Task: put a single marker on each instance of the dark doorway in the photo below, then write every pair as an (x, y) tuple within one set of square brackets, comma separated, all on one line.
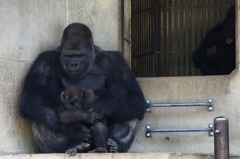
[(165, 33)]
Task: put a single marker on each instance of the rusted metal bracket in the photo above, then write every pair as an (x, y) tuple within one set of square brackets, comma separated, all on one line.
[(209, 104), (149, 130)]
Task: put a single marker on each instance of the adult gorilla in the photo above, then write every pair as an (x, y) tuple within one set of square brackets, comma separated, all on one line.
[(216, 54), (78, 62)]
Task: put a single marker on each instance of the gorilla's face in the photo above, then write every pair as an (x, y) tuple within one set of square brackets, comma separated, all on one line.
[(229, 25), (229, 30), (74, 95), (77, 56)]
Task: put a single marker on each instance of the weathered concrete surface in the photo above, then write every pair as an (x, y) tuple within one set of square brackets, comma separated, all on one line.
[(27, 27), (109, 156), (102, 17), (113, 156)]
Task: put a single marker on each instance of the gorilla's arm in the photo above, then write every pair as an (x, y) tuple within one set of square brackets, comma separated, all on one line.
[(123, 99), (39, 100)]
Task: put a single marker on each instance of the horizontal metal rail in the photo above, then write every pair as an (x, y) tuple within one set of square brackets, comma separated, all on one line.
[(149, 130), (209, 104), (220, 131)]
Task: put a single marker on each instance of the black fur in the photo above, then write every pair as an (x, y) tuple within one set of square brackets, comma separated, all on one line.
[(216, 54), (83, 101), (109, 77)]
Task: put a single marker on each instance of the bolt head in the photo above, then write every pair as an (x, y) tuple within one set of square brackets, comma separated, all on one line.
[(217, 131), (148, 134), (211, 133), (210, 108)]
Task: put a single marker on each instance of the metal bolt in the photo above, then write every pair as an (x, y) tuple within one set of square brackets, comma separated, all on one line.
[(210, 100), (210, 108), (148, 127), (211, 126), (211, 133), (217, 131), (148, 134), (147, 109)]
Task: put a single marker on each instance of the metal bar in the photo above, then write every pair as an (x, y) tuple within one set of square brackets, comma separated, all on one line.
[(209, 104), (143, 10), (221, 138), (149, 130)]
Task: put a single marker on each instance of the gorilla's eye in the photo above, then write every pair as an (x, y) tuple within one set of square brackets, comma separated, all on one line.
[(68, 56), (74, 56), (80, 55)]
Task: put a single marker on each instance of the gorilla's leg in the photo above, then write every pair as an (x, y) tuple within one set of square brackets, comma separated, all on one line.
[(56, 142), (121, 136), (99, 135)]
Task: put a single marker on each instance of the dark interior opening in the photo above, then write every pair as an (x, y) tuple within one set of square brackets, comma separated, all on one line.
[(166, 33)]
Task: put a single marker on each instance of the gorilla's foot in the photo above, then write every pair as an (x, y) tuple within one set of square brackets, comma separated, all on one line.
[(99, 149), (112, 144), (80, 147)]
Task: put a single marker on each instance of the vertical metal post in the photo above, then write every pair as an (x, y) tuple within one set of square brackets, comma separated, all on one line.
[(221, 138)]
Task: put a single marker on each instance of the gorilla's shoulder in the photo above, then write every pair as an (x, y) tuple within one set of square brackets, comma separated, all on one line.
[(46, 63), (113, 63), (48, 58), (109, 57), (49, 55), (216, 29)]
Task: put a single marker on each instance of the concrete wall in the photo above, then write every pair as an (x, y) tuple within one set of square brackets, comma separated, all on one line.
[(28, 27), (102, 17)]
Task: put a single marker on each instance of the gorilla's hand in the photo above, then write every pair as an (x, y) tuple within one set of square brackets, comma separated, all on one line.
[(66, 103), (77, 131), (211, 52), (72, 116), (66, 117), (91, 117), (64, 100), (84, 133), (101, 115), (78, 148)]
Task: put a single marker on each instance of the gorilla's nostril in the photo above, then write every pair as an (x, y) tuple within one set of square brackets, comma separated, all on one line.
[(74, 64)]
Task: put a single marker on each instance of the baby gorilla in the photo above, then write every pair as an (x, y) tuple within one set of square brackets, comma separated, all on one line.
[(78, 98)]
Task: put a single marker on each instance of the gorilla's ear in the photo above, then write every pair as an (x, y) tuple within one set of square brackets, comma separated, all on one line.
[(92, 45)]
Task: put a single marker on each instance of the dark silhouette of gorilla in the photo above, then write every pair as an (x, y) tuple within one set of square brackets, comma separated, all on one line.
[(77, 61), (74, 98), (216, 54)]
